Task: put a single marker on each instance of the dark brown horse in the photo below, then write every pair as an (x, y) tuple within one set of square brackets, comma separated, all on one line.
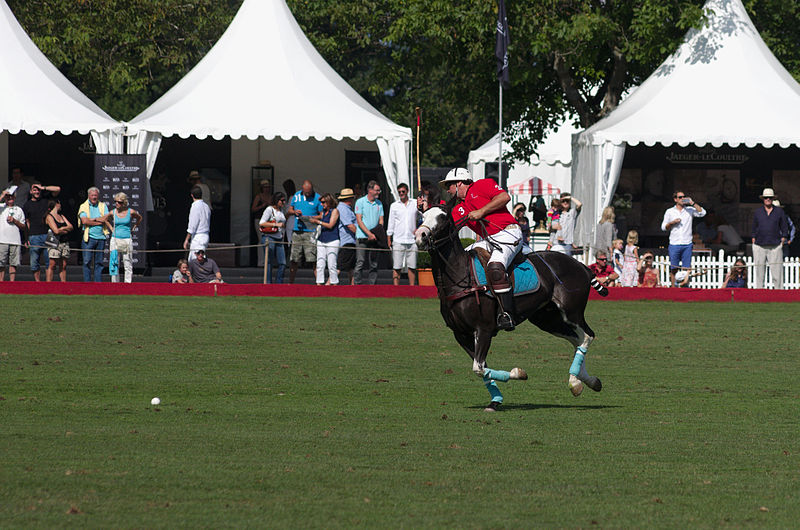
[(557, 306)]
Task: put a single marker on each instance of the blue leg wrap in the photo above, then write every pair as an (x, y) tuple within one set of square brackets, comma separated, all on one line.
[(497, 375), (577, 362), (491, 386)]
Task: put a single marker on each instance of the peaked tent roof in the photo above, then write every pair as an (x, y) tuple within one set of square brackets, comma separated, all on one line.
[(722, 86), (263, 78), (34, 95), (556, 148)]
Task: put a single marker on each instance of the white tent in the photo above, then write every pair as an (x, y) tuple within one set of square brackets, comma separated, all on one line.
[(264, 80), (552, 164), (36, 97), (722, 86)]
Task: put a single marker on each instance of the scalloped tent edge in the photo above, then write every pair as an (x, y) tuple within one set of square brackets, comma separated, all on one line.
[(694, 97)]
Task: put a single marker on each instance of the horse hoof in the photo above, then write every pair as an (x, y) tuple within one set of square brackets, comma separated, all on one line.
[(518, 374), (594, 383), (493, 407), (575, 385)]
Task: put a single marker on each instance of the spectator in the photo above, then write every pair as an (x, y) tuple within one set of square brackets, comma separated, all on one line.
[(648, 273), (182, 274), (603, 270), (707, 229), (697, 242), (737, 276), (369, 216), (630, 260), (35, 213), (538, 209), (122, 222), (198, 229), (519, 214), (12, 219), (23, 190), (682, 277), (606, 231), (570, 208), (60, 225), (91, 218), (553, 220), (196, 181), (328, 241), (290, 188), (404, 217), (304, 206), (347, 233), (792, 230), (678, 222), (273, 225), (618, 256), (203, 269), (727, 236), (261, 201), (770, 232)]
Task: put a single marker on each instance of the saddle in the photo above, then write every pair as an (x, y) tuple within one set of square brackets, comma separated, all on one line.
[(521, 272)]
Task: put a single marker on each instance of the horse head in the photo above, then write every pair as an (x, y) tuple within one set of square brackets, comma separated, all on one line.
[(434, 224)]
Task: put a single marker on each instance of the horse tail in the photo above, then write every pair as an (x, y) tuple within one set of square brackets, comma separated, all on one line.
[(601, 289)]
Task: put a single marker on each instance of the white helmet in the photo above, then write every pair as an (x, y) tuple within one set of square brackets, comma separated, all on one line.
[(457, 174)]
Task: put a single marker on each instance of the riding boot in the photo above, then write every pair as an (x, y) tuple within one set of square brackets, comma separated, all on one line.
[(505, 296)]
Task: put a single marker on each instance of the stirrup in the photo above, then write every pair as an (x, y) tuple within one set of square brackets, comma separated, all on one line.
[(505, 322)]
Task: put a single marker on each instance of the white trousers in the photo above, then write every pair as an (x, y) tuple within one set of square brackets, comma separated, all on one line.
[(507, 243), (198, 242), (327, 254), (124, 248), (773, 256)]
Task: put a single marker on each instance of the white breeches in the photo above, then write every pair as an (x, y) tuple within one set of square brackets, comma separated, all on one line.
[(507, 243)]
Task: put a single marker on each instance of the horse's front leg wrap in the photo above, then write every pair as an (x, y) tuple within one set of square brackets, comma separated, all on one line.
[(478, 367), (497, 375), (491, 386), (577, 362)]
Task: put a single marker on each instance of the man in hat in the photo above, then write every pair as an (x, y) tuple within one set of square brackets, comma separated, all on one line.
[(483, 208), (195, 180), (678, 222), (346, 260), (12, 220), (203, 269), (770, 232)]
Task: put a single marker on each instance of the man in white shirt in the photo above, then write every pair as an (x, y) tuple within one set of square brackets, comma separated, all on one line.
[(12, 220), (197, 233), (678, 222), (403, 221)]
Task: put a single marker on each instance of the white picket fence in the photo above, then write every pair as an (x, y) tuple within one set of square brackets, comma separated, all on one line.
[(715, 268)]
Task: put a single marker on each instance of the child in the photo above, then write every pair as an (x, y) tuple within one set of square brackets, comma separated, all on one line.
[(181, 274), (630, 259), (617, 258), (553, 216), (737, 276)]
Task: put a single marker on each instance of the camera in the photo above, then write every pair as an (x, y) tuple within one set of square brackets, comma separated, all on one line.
[(686, 200)]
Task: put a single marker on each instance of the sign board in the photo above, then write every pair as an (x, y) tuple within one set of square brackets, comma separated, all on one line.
[(126, 174)]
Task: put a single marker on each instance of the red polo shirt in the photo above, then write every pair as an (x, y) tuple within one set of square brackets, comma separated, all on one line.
[(601, 272), (478, 195)]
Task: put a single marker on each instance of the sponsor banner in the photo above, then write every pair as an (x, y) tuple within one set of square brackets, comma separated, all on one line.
[(126, 174)]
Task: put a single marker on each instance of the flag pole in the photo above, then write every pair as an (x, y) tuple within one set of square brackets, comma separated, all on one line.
[(500, 179), (418, 111)]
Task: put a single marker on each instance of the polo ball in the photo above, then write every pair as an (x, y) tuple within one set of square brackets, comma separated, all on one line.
[(155, 401)]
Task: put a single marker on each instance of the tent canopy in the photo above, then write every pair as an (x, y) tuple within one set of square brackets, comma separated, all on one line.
[(35, 96), (721, 86), (263, 78)]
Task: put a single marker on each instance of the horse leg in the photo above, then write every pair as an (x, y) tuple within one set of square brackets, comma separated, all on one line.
[(555, 321)]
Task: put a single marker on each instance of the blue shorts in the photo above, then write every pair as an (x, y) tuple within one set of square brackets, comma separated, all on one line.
[(680, 256)]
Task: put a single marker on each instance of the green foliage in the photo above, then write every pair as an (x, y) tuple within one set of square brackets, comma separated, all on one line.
[(293, 413)]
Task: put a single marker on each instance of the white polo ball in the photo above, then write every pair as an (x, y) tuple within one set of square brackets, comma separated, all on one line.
[(155, 401)]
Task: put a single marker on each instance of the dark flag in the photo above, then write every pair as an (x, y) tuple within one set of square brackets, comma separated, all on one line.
[(501, 48)]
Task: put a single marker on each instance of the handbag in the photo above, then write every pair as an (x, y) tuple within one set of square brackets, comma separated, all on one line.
[(51, 241)]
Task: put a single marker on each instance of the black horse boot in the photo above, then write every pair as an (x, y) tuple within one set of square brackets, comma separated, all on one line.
[(505, 296)]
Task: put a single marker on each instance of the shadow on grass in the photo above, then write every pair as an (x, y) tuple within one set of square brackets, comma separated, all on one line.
[(537, 406)]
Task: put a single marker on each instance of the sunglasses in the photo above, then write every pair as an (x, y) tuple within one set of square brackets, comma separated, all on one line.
[(602, 259), (680, 196)]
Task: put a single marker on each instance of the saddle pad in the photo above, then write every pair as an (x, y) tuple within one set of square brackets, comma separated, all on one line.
[(524, 276)]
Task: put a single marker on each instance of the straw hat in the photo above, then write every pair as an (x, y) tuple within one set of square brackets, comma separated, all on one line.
[(346, 193)]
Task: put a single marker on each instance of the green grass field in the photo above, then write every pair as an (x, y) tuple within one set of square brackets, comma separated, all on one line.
[(338, 413)]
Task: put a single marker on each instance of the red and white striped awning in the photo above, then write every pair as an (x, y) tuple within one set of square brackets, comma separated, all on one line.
[(534, 186)]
